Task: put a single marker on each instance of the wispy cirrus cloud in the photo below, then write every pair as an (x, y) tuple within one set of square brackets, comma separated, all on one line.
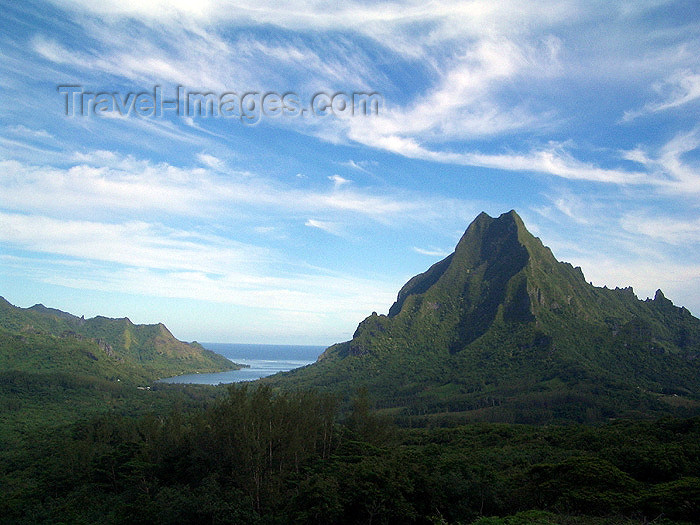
[(327, 226), (673, 172), (28, 132), (338, 181), (361, 165), (406, 26), (137, 244), (103, 182), (169, 262), (461, 99), (431, 252), (199, 57), (675, 231), (203, 63), (552, 160), (680, 89), (476, 53), (211, 161), (464, 103)]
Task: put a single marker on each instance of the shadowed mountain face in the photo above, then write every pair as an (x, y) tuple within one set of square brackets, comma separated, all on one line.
[(41, 339), (474, 281), (502, 330)]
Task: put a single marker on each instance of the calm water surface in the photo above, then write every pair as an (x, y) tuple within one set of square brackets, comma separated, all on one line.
[(263, 361)]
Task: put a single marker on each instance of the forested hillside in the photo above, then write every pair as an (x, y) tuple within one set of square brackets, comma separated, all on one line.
[(502, 331), (40, 339)]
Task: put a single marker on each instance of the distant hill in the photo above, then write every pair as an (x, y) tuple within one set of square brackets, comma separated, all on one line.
[(41, 339), (500, 330)]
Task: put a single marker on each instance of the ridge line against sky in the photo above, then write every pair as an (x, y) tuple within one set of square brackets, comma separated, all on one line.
[(582, 116)]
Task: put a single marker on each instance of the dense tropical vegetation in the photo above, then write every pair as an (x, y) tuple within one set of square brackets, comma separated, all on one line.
[(254, 456)]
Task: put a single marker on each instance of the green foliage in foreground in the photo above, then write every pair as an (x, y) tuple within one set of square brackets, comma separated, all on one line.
[(258, 457), (33, 403)]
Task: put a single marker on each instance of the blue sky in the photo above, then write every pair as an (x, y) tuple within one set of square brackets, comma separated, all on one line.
[(582, 116)]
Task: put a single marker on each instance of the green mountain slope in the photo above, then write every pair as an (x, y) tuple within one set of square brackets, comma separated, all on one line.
[(40, 339), (501, 330)]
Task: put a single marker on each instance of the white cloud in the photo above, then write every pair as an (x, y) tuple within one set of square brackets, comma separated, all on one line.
[(327, 226), (431, 252), (211, 161), (136, 244), (682, 88), (469, 56), (338, 180), (673, 173), (470, 52), (662, 228), (27, 132), (196, 59), (553, 160), (301, 293), (361, 165), (53, 51), (101, 183), (406, 25), (463, 104), (584, 211), (165, 262), (193, 53), (558, 162)]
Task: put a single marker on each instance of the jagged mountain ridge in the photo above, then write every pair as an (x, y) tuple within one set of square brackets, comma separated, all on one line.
[(502, 329), (41, 338)]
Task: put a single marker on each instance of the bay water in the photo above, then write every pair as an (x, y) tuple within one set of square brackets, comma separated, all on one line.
[(262, 361)]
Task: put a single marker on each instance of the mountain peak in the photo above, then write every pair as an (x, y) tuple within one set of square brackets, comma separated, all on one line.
[(511, 215), (489, 253), (41, 309), (500, 325)]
